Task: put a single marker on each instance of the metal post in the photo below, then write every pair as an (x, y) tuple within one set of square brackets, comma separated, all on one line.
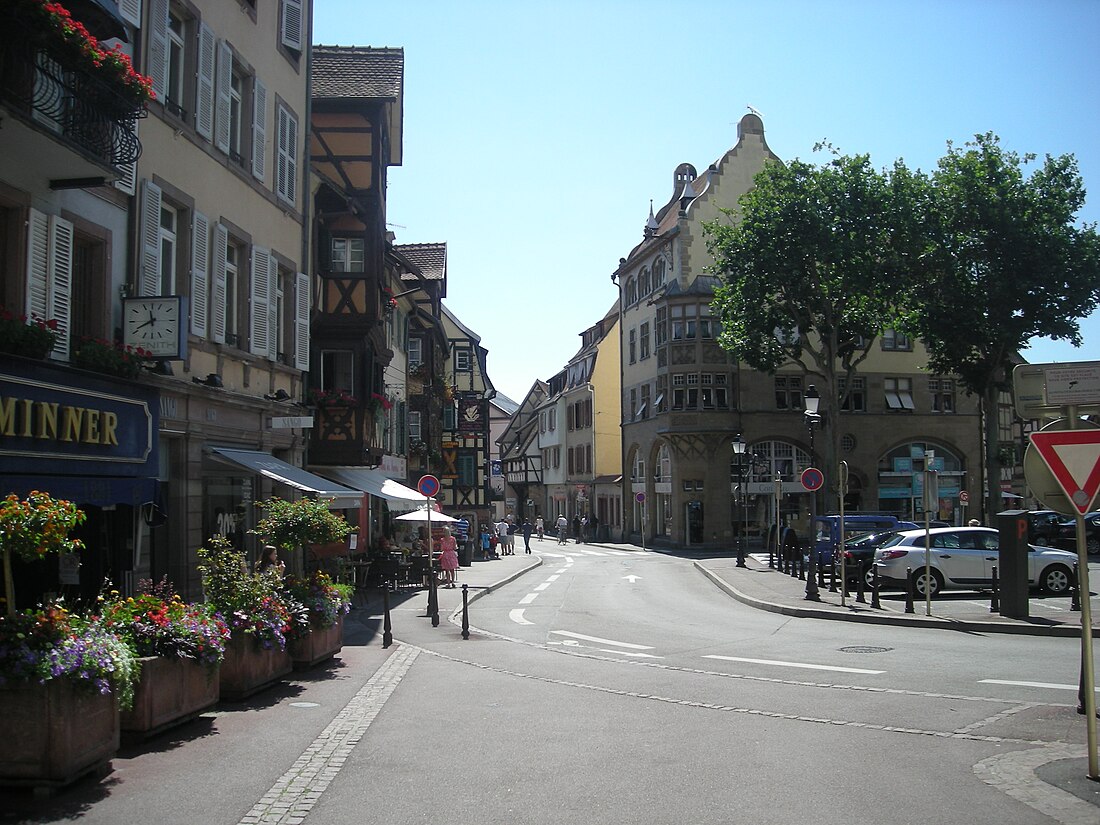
[(994, 603), (843, 473), (387, 628), (812, 593), (860, 588), (465, 614), (875, 603), (909, 590), (433, 597), (1088, 675), (1075, 592), (779, 523)]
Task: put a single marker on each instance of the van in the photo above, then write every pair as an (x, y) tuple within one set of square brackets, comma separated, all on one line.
[(827, 530)]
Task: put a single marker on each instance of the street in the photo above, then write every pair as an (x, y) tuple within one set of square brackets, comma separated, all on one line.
[(605, 686)]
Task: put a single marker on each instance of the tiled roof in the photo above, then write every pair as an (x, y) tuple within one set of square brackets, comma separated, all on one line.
[(430, 259), (358, 72)]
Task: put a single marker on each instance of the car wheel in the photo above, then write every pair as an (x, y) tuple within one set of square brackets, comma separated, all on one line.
[(1092, 545), (933, 583), (1056, 580)]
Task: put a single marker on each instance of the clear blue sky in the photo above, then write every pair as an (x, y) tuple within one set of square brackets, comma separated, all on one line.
[(536, 133)]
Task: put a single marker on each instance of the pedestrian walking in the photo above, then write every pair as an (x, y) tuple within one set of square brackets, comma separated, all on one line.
[(527, 535), (510, 537), (593, 527), (563, 527), (486, 545), (539, 527), (577, 529), (448, 558), (502, 536)]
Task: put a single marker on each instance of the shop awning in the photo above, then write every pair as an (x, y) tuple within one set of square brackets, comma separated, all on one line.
[(376, 484), (267, 465)]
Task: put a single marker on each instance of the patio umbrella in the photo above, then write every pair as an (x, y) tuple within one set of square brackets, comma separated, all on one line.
[(423, 515)]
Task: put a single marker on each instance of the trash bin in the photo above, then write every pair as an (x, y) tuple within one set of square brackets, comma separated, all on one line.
[(465, 554)]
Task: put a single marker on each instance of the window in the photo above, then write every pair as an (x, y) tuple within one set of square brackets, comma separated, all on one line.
[(169, 223), (632, 410), (942, 391), (462, 360), (49, 281), (286, 155), (450, 416), (643, 283), (660, 327), (338, 370), (853, 399), (552, 422), (708, 325), (899, 393), (173, 53), (895, 341), (414, 426), (684, 322), (236, 108), (631, 291), (234, 257), (638, 475), (416, 355), (633, 336), (658, 272), (643, 407), (467, 469), (644, 334), (348, 255), (788, 392)]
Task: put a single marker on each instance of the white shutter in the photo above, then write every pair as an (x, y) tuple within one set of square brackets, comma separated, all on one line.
[(128, 180), (200, 273), (157, 65), (224, 92), (259, 129), (217, 297), (273, 336), (204, 104), (292, 160), (61, 284), (259, 284), (301, 322), (291, 29), (130, 11), (38, 265), (150, 238), (282, 163)]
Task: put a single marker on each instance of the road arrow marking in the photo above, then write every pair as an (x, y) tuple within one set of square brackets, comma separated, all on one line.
[(517, 616), (598, 640), (632, 578), (796, 664)]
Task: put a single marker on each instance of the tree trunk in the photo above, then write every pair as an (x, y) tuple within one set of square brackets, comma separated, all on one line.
[(991, 444)]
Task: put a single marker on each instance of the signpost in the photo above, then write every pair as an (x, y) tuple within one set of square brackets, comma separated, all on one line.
[(428, 485), (640, 498)]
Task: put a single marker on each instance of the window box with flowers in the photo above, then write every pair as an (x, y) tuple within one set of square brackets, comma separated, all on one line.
[(110, 357), (329, 399), (327, 603), (379, 403), (27, 338), (181, 648)]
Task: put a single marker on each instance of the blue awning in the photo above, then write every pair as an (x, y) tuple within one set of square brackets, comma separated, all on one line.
[(267, 465), (94, 491)]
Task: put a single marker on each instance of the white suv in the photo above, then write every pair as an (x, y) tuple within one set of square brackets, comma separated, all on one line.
[(962, 558)]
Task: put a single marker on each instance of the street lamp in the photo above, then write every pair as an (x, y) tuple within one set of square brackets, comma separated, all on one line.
[(739, 455), (813, 418)]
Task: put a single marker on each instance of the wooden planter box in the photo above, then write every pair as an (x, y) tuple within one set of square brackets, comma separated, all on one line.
[(319, 645), (249, 668), (54, 733), (171, 692)]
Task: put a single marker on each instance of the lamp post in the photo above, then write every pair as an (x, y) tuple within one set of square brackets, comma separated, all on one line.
[(813, 418), (739, 455)]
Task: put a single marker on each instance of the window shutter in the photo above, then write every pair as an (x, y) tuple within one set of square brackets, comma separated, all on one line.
[(158, 47), (273, 331), (224, 90), (130, 11), (200, 271), (127, 181), (61, 284), (38, 265), (217, 303), (301, 322), (259, 129), (291, 30), (287, 165), (150, 238), (258, 311), (204, 105)]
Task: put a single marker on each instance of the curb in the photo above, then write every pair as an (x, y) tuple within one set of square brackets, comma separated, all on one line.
[(1063, 631)]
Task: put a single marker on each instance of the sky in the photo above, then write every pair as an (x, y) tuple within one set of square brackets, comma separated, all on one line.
[(537, 133)]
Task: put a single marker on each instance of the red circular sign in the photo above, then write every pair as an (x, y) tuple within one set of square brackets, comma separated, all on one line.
[(428, 485), (964, 496), (812, 479)]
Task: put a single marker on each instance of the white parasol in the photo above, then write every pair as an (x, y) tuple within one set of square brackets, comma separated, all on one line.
[(425, 515)]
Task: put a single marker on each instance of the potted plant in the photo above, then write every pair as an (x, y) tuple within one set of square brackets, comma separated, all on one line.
[(109, 357), (291, 525), (62, 680), (328, 399), (326, 603), (259, 616), (181, 648), (28, 338)]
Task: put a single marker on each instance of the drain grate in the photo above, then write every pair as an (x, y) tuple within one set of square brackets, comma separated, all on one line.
[(865, 649)]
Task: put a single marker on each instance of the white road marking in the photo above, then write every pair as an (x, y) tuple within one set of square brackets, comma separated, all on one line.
[(796, 664), (632, 578), (1049, 685), (530, 597), (630, 653), (598, 640), (542, 586), (553, 578), (517, 616)]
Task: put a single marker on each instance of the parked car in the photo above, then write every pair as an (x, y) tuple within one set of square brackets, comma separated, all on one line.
[(1067, 533), (1043, 527), (962, 558), (827, 530), (859, 555)]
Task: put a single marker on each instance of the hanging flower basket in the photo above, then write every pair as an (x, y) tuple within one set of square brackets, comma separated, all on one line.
[(27, 338)]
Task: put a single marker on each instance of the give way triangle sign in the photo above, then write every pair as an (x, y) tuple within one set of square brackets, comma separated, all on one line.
[(1073, 457)]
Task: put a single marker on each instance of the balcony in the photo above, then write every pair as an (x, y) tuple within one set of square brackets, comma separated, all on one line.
[(345, 435), (47, 91)]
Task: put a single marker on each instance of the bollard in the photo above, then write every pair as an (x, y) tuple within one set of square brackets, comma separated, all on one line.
[(832, 577), (465, 614), (1075, 592), (860, 595), (875, 603), (771, 556), (994, 601), (812, 594), (820, 576), (909, 590), (433, 601), (387, 628), (801, 567)]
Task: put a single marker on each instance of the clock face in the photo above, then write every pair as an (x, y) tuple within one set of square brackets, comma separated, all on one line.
[(153, 324)]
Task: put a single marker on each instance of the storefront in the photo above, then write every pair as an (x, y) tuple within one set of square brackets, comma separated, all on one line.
[(92, 441)]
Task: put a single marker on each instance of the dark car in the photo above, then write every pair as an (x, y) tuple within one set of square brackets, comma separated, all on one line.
[(1043, 527), (1067, 533), (859, 555)]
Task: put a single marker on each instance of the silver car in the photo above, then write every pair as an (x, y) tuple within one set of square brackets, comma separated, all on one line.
[(962, 558)]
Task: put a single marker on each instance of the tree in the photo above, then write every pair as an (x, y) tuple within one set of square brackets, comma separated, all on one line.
[(810, 271), (1003, 262)]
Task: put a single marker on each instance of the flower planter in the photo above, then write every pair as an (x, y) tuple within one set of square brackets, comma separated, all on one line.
[(170, 692), (54, 733), (319, 645), (248, 668)]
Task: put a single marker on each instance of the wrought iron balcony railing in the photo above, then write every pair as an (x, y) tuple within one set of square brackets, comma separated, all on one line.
[(94, 117)]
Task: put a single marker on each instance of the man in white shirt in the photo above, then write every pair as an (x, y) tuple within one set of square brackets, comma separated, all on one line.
[(563, 528)]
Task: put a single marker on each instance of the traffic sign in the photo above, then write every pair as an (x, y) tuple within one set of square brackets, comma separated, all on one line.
[(1073, 457), (639, 497), (812, 479), (1046, 390), (428, 485), (964, 497)]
